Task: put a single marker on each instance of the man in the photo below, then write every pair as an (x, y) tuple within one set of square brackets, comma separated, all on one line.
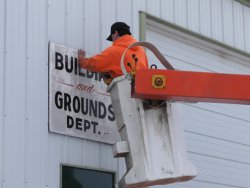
[(108, 61)]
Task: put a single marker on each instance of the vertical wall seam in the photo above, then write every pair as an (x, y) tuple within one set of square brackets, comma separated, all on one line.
[(3, 89), (42, 125), (132, 16), (234, 42), (71, 22), (100, 27), (211, 19), (174, 18), (160, 8), (46, 177), (65, 22), (244, 28), (222, 21), (65, 156), (83, 25), (199, 17), (26, 92), (68, 8), (66, 42), (47, 22), (116, 10), (187, 17)]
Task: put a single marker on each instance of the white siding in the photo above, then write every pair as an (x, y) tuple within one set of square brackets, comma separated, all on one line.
[(227, 16), (30, 156), (205, 18), (2, 82), (247, 28), (217, 135), (238, 20), (180, 16), (167, 10), (193, 15), (154, 7), (216, 19)]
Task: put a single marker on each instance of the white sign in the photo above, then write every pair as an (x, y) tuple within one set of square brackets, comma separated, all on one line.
[(79, 105)]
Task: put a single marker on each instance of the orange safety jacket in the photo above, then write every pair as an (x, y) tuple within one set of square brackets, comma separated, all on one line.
[(108, 61)]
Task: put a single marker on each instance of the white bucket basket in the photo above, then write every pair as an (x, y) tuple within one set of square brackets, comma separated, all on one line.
[(152, 140)]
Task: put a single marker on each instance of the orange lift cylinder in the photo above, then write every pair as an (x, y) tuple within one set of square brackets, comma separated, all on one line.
[(191, 86)]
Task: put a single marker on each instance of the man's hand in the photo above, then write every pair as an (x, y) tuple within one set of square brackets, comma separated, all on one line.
[(106, 78), (81, 57)]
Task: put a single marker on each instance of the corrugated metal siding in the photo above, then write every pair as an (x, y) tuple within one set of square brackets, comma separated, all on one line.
[(15, 103), (37, 74), (217, 135), (30, 156), (247, 28), (2, 76)]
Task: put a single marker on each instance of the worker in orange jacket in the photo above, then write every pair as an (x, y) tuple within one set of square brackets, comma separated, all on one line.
[(108, 61)]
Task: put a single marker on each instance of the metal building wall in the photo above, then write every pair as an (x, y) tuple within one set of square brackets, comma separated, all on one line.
[(217, 135), (29, 155)]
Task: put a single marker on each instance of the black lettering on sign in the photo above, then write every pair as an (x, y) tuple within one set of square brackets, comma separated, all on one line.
[(59, 61), (68, 66), (101, 110), (77, 67), (86, 125), (58, 100), (76, 104), (67, 102), (78, 123), (95, 75), (94, 126), (90, 74), (84, 106), (71, 65), (70, 122), (112, 117), (93, 108)]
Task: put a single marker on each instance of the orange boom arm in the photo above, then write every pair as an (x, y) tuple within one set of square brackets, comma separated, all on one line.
[(191, 86)]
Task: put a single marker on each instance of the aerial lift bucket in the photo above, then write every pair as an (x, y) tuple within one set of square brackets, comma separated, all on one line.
[(152, 139)]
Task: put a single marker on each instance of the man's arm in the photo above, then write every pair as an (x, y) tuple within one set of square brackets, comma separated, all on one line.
[(82, 58), (98, 63)]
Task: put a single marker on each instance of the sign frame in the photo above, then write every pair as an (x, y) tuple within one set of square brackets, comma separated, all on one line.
[(79, 105)]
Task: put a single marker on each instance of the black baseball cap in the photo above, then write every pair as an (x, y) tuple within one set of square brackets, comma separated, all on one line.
[(121, 27)]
